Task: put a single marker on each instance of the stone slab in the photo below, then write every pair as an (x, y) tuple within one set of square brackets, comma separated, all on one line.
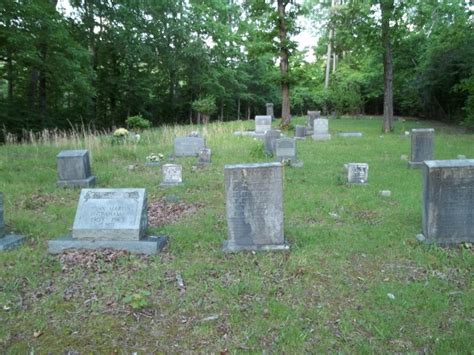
[(285, 149), (11, 241), (254, 205), (300, 132), (270, 138), (148, 245), (422, 144), (228, 247), (172, 175), (111, 214), (357, 173), (350, 134), (263, 123), (89, 182), (448, 201), (188, 146)]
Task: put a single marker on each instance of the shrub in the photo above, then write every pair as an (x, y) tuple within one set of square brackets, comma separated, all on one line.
[(138, 122)]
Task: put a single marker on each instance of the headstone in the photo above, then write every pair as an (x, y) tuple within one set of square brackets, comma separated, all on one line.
[(448, 201), (422, 142), (270, 112), (74, 169), (285, 150), (7, 241), (312, 115), (300, 132), (263, 124), (269, 143), (204, 157), (188, 146), (357, 173), (110, 218), (321, 130), (171, 175), (350, 134), (254, 204)]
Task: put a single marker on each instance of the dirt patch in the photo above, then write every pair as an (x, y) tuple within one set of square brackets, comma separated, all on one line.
[(369, 217), (163, 212)]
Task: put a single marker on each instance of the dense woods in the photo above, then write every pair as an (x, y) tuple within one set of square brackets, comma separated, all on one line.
[(186, 61)]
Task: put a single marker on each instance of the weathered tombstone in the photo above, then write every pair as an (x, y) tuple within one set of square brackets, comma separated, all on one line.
[(7, 241), (74, 169), (321, 129), (263, 124), (357, 173), (285, 151), (350, 134), (269, 143), (270, 112), (422, 142), (254, 204), (110, 218), (448, 201), (204, 157), (171, 175), (312, 115), (188, 146), (300, 132)]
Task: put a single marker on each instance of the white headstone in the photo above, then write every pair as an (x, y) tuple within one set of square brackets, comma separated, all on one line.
[(263, 124), (321, 129), (172, 174), (357, 173)]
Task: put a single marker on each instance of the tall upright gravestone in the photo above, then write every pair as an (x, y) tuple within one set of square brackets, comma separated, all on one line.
[(448, 201), (7, 241), (263, 124), (269, 143), (254, 204), (270, 112), (321, 130), (110, 218), (285, 151), (422, 143), (74, 169)]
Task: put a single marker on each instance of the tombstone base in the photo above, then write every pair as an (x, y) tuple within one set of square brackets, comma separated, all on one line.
[(89, 182), (426, 241), (152, 164), (415, 164), (321, 137), (149, 245), (170, 184), (350, 134), (11, 241), (259, 135), (228, 247)]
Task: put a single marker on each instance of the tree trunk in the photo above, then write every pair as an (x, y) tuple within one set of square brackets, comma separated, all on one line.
[(284, 64), (248, 111), (238, 108), (387, 10), (329, 52), (221, 115)]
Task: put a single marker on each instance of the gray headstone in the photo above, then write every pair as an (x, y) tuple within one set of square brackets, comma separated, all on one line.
[(110, 218), (171, 175), (422, 143), (254, 203), (448, 201), (270, 112), (312, 115), (350, 134), (321, 129), (74, 169), (270, 138), (188, 146), (204, 156), (285, 149), (357, 173), (263, 124), (111, 214), (7, 241), (300, 132)]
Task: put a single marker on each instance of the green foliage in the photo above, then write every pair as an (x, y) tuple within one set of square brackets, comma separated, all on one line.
[(205, 105), (138, 122), (137, 300)]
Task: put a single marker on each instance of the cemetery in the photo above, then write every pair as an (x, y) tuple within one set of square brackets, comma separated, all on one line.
[(236, 177), (290, 246)]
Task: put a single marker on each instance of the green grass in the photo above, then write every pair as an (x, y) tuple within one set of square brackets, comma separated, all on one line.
[(328, 294)]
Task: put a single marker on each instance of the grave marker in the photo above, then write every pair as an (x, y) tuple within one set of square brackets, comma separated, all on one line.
[(357, 173), (269, 107), (285, 150), (422, 142), (188, 146), (300, 132), (350, 134), (7, 241), (263, 124), (254, 204), (321, 130), (204, 157), (269, 143), (74, 169), (171, 175), (312, 115)]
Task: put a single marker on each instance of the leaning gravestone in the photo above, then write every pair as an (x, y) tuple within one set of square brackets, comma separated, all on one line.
[(270, 112), (254, 204), (422, 142), (300, 132), (448, 201), (263, 124), (7, 241), (285, 150), (188, 146), (357, 173), (110, 218), (269, 143), (171, 175), (74, 169), (321, 130)]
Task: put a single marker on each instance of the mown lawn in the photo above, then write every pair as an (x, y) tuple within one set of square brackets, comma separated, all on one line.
[(350, 248)]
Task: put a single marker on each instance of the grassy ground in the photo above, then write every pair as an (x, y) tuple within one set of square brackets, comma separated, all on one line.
[(349, 249)]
